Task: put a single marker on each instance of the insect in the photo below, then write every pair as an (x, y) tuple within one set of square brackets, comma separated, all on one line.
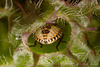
[(48, 34), (72, 2)]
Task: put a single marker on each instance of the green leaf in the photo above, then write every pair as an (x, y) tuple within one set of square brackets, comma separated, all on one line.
[(95, 39), (6, 48)]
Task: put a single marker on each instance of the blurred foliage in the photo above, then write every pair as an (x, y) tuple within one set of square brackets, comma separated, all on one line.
[(20, 16), (6, 49)]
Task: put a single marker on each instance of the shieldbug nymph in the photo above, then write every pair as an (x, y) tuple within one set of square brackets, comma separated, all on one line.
[(48, 34)]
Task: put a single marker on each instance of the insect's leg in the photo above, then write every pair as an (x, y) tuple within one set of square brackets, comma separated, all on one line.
[(58, 45), (33, 45), (41, 45), (59, 42)]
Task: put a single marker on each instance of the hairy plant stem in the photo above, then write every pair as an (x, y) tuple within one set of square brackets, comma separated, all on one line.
[(70, 55)]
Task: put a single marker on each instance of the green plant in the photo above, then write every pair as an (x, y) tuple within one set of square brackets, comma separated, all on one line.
[(80, 23)]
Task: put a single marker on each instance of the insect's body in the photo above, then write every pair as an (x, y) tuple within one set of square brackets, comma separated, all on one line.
[(72, 2), (48, 34)]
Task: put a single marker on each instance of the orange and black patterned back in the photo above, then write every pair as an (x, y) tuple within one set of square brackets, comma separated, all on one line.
[(48, 34)]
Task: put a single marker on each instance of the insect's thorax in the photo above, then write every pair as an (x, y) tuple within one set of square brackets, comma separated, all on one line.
[(48, 34)]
